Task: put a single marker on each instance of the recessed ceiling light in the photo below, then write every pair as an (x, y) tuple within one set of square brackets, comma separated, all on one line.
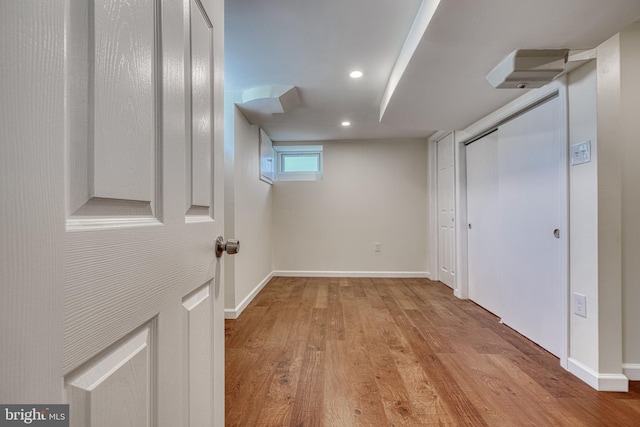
[(356, 74), (346, 123)]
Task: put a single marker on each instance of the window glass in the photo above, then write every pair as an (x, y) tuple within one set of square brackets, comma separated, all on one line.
[(298, 163), (301, 162)]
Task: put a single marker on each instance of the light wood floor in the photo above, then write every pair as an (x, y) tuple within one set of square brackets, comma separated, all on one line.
[(396, 352)]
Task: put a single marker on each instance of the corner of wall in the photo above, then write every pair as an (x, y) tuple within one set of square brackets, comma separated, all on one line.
[(233, 313), (248, 210), (610, 154), (598, 381), (229, 193), (630, 105)]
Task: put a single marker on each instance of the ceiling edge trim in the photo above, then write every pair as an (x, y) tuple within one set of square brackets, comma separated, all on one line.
[(420, 24)]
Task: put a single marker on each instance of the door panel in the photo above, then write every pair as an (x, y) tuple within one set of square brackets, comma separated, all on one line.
[(121, 98), (446, 211), (531, 198), (112, 91), (200, 76), (196, 323), (483, 229), (121, 378)]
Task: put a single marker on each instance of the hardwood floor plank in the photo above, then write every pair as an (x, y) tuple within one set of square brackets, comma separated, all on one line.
[(454, 399), (404, 301), (308, 405), (360, 384), (396, 352), (428, 332), (239, 331), (335, 319), (428, 406), (380, 338), (358, 291), (322, 297), (279, 333), (252, 389), (239, 364), (278, 402), (318, 334), (337, 411)]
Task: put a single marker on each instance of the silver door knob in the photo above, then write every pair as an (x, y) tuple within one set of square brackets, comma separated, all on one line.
[(231, 246)]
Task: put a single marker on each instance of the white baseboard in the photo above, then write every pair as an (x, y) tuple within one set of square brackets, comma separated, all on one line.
[(233, 313), (632, 371), (372, 274), (600, 382)]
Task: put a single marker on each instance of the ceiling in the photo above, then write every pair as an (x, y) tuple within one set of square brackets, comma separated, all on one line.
[(424, 61)]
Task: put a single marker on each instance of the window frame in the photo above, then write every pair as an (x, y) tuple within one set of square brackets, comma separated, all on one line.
[(267, 158), (282, 151)]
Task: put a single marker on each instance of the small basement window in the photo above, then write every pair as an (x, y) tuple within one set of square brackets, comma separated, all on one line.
[(298, 163)]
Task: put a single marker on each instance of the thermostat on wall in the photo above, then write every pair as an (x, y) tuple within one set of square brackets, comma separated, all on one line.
[(581, 153)]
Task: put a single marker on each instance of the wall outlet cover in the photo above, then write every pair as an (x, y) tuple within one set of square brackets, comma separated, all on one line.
[(580, 305)]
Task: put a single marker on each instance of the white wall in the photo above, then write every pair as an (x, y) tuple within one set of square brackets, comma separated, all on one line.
[(248, 213), (583, 219), (373, 191), (609, 208), (630, 108)]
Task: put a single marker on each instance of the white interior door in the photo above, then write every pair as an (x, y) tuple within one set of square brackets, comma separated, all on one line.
[(532, 199), (111, 204), (483, 228), (446, 211)]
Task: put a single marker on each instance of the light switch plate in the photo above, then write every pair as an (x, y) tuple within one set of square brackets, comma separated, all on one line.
[(581, 153), (580, 305)]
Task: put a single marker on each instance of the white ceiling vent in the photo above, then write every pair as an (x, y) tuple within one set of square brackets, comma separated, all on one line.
[(528, 68)]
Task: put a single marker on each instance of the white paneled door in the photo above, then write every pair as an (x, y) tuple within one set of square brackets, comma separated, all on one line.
[(446, 211), (112, 189)]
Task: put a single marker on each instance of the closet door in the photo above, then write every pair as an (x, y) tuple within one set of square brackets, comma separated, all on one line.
[(446, 211), (483, 214), (532, 200)]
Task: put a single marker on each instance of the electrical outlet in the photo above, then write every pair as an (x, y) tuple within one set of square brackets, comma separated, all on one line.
[(580, 305), (377, 247)]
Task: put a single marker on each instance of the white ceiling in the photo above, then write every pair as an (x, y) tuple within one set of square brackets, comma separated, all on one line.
[(313, 44)]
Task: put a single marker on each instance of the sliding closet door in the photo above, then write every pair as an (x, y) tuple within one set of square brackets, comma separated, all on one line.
[(483, 225), (532, 199)]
